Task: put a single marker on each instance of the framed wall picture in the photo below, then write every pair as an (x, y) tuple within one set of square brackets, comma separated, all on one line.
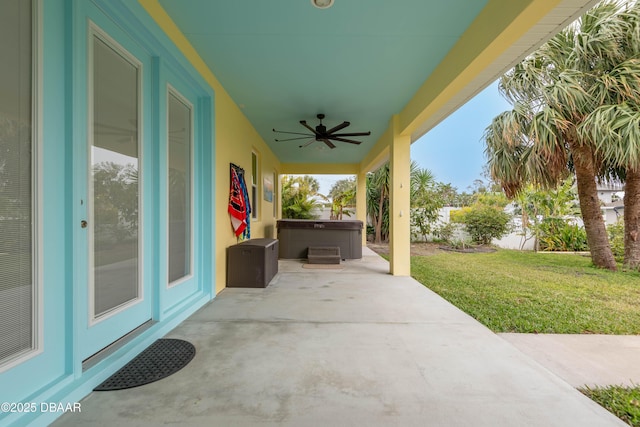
[(267, 185)]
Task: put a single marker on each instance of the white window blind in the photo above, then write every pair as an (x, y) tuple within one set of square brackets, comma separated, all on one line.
[(16, 182), (115, 176), (179, 193)]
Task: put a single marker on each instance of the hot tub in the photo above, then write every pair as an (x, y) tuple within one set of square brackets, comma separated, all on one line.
[(297, 235)]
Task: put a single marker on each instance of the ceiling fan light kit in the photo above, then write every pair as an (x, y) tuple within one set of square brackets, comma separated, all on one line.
[(320, 133), (322, 4)]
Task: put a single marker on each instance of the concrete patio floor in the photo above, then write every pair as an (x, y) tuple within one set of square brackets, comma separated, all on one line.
[(349, 347)]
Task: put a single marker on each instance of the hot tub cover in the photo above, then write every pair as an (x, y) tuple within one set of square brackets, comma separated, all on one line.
[(329, 224)]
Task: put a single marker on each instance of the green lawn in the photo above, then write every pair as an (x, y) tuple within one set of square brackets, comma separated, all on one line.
[(526, 292), (624, 402)]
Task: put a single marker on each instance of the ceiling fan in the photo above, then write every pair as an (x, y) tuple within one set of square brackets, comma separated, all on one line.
[(320, 133)]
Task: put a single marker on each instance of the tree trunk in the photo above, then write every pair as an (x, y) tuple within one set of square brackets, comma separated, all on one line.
[(378, 238), (597, 237), (632, 220)]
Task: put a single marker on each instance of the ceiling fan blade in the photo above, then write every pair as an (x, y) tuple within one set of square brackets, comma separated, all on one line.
[(293, 139), (339, 127), (353, 134), (329, 143), (308, 143), (350, 141), (292, 133), (304, 123)]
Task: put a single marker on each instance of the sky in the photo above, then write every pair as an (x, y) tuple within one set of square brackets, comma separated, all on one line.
[(453, 151)]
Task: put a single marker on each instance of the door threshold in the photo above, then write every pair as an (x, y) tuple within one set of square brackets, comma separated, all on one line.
[(98, 357)]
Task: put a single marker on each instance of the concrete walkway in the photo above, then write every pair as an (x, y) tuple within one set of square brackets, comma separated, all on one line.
[(349, 347), (591, 360)]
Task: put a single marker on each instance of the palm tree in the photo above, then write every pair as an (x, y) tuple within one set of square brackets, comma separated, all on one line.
[(378, 200), (342, 195), (426, 200), (553, 129), (300, 197), (422, 186), (614, 125), (423, 182)]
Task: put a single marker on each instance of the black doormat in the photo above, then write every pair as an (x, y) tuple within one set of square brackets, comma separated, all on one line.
[(164, 357)]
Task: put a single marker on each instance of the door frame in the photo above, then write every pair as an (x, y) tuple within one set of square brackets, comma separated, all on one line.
[(92, 333)]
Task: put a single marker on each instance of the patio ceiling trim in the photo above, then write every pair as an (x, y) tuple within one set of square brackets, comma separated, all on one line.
[(493, 49)]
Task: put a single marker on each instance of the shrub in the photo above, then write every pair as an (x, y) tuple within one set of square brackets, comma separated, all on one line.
[(460, 244), (444, 231), (485, 223), (557, 234), (458, 214), (616, 239), (422, 221), (371, 232)]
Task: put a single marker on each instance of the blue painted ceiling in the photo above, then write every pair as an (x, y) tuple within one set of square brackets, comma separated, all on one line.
[(284, 61)]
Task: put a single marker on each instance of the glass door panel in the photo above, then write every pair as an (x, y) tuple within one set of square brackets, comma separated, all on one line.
[(17, 148), (180, 193), (114, 180)]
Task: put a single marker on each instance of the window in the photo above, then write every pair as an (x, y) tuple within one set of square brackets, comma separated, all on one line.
[(17, 148), (276, 185), (179, 187), (255, 169)]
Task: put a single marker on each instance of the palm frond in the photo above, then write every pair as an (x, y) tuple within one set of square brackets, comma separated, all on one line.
[(620, 84), (506, 141), (599, 34), (524, 82), (567, 95), (615, 132)]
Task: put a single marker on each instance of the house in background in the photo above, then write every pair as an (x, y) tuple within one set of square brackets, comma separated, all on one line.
[(611, 195), (119, 122)]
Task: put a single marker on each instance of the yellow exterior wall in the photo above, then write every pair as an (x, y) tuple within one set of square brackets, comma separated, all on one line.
[(399, 202), (235, 139)]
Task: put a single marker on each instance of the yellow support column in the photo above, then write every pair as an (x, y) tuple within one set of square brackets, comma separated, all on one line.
[(361, 203), (399, 203)]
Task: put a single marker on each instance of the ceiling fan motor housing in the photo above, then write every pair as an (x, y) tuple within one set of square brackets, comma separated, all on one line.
[(321, 130)]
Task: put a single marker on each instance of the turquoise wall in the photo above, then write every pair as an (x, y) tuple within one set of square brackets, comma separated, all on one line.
[(55, 374)]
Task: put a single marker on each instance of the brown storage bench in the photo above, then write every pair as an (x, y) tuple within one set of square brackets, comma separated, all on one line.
[(252, 263)]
